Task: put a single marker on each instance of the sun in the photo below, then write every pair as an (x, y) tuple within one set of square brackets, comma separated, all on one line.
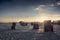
[(42, 19)]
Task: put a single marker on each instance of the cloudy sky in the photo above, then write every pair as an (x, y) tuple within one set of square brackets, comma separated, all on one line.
[(29, 10)]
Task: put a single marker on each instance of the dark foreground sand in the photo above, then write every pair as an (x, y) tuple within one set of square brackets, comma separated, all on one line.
[(29, 35)]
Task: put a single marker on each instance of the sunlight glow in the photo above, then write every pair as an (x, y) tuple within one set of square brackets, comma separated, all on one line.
[(42, 19)]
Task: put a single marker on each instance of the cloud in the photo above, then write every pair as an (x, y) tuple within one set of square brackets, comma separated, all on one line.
[(44, 8), (58, 3), (47, 10), (40, 7)]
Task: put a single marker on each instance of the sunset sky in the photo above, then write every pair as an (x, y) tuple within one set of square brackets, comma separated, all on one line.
[(29, 10)]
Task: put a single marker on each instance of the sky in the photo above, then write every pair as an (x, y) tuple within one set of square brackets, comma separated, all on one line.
[(29, 10)]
